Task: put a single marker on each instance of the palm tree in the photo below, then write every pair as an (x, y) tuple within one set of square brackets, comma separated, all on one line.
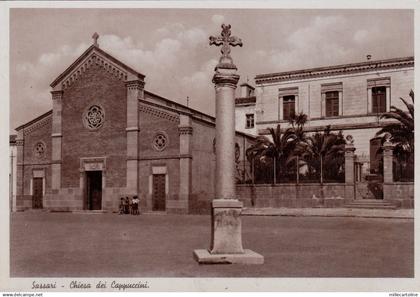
[(322, 149), (277, 150), (401, 131), (297, 122)]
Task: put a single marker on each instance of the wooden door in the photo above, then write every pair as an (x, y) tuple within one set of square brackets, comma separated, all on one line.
[(158, 195), (94, 190), (38, 192)]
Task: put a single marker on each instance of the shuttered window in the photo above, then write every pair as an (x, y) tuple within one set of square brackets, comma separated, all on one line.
[(331, 104), (288, 106), (378, 99)]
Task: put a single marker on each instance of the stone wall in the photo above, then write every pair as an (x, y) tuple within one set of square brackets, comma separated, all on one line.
[(400, 193), (292, 195)]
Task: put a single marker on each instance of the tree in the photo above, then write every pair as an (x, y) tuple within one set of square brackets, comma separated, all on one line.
[(297, 121), (401, 130), (323, 149), (274, 152)]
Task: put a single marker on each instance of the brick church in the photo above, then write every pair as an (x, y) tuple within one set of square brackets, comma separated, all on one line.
[(107, 137)]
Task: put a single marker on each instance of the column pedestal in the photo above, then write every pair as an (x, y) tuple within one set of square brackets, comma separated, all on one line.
[(226, 246)]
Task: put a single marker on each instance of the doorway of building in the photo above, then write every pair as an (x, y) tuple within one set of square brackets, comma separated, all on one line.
[(158, 194), (38, 192), (93, 190)]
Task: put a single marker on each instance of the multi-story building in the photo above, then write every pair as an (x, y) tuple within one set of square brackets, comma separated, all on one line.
[(349, 97)]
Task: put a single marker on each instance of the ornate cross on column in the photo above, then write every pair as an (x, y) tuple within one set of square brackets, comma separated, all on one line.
[(225, 40), (95, 37)]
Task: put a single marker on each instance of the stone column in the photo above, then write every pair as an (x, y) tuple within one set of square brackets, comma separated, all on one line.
[(135, 91), (388, 148), (185, 152), (323, 98), (349, 170), (388, 98), (226, 241), (56, 141)]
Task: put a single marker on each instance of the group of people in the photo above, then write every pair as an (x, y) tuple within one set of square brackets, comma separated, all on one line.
[(129, 207)]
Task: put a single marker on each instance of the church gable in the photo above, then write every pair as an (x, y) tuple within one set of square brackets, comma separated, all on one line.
[(91, 57)]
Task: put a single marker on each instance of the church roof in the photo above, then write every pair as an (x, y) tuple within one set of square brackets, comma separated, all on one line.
[(94, 49), (44, 115)]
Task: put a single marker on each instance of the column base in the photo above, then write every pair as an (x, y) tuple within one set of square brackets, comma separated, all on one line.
[(248, 257), (226, 243)]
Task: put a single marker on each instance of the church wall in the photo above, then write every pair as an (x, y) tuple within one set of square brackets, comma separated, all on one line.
[(40, 134), (203, 168), (95, 86), (152, 159)]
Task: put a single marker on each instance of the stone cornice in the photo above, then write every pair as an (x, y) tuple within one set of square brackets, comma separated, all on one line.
[(321, 128), (159, 113), (336, 70), (37, 125), (225, 80), (135, 84), (245, 100), (185, 130)]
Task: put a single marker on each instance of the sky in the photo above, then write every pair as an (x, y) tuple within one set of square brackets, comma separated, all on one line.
[(170, 46)]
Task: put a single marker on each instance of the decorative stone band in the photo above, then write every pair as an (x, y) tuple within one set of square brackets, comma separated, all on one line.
[(379, 82), (185, 156), (20, 142), (135, 84), (332, 87), (226, 80), (132, 129), (91, 60), (55, 161), (56, 135), (159, 113), (89, 163), (349, 149), (56, 95), (288, 91), (185, 130)]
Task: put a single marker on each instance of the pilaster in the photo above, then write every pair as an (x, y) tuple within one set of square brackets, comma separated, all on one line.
[(349, 170), (19, 169), (56, 140), (135, 91), (185, 130), (388, 148)]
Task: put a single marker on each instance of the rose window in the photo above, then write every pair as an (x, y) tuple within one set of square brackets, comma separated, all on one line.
[(160, 142), (94, 117), (39, 150)]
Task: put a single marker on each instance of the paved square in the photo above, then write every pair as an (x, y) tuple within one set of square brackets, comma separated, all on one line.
[(110, 245)]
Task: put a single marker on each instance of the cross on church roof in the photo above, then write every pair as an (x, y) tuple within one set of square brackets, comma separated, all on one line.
[(225, 40), (95, 37)]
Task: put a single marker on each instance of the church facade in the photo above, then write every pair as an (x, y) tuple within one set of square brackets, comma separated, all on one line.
[(107, 137)]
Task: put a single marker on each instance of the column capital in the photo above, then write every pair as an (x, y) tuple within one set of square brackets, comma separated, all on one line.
[(349, 148), (388, 146), (19, 142), (57, 94), (185, 130), (136, 84), (227, 79)]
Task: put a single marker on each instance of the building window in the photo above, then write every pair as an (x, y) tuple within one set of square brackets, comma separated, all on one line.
[(249, 121), (288, 106), (331, 104), (378, 99)]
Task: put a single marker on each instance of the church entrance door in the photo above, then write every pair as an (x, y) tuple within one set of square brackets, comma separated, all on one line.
[(37, 192), (158, 195), (93, 190)]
